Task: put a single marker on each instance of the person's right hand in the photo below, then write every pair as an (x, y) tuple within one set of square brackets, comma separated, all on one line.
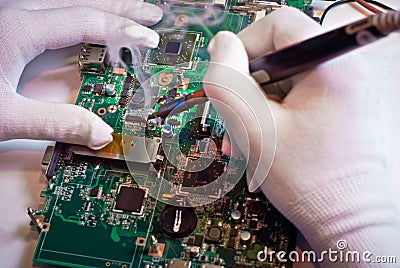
[(28, 28), (329, 172)]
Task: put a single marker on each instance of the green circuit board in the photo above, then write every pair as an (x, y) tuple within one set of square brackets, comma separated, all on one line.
[(146, 200)]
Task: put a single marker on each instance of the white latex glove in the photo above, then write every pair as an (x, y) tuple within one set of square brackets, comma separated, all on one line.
[(28, 28), (329, 173)]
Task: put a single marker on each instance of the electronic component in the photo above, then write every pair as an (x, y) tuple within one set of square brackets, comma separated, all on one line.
[(195, 252), (94, 192), (110, 90), (167, 131), (198, 240), (178, 222), (127, 86), (86, 89), (123, 101), (179, 264), (118, 71), (214, 234), (98, 89), (128, 79), (124, 93), (245, 237), (233, 232), (92, 58), (253, 224), (130, 199), (256, 209), (236, 216), (175, 48), (210, 173)]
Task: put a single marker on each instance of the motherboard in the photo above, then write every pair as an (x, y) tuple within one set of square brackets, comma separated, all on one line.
[(162, 194)]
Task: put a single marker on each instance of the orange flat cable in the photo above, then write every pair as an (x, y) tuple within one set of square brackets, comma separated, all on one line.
[(368, 6)]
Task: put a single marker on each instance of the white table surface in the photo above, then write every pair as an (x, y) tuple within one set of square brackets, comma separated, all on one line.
[(20, 171)]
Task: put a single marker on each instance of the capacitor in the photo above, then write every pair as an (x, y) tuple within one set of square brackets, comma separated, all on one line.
[(236, 215), (110, 90), (245, 237), (167, 131)]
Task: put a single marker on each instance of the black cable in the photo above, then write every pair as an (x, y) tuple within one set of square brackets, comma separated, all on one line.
[(341, 2)]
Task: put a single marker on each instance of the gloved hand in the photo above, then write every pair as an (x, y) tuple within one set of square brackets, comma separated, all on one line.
[(28, 28), (329, 173)]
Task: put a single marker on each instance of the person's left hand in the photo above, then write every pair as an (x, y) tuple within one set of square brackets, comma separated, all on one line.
[(28, 28)]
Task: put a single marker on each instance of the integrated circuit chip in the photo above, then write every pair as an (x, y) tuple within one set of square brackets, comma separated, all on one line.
[(175, 48), (93, 192), (130, 199)]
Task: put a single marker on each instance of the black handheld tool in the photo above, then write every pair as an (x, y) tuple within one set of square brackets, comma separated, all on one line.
[(297, 58)]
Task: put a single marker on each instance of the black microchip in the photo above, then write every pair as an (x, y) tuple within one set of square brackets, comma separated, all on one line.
[(190, 241), (233, 232), (253, 224), (130, 199), (98, 89), (198, 240), (93, 192), (129, 79), (126, 86), (86, 89), (231, 243), (124, 93), (122, 101), (210, 173), (173, 48)]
